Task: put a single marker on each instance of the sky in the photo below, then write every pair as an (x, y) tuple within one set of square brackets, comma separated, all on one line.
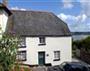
[(76, 13)]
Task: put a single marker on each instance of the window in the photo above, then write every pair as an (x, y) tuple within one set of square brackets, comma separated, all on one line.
[(21, 55), (42, 40), (22, 42), (56, 55)]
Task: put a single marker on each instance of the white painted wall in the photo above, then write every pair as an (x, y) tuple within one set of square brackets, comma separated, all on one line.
[(3, 20), (52, 44)]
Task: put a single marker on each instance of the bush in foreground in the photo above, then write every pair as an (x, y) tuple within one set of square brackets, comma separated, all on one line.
[(8, 51)]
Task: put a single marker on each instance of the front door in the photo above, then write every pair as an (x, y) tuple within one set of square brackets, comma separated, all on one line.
[(41, 58)]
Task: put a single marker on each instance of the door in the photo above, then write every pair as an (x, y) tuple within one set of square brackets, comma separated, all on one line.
[(41, 58)]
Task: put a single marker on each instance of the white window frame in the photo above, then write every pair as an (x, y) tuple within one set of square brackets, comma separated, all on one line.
[(21, 56), (22, 43), (56, 55), (42, 41)]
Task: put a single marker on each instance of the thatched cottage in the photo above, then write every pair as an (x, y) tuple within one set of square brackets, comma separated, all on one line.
[(45, 38)]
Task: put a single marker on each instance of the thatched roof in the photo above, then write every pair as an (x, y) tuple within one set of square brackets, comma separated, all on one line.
[(36, 23)]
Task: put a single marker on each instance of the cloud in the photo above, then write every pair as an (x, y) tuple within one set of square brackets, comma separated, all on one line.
[(79, 27), (80, 22), (81, 18), (76, 23), (85, 4), (67, 4), (62, 16), (17, 8), (86, 7)]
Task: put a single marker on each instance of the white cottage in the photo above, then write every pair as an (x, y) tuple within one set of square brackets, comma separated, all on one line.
[(46, 39)]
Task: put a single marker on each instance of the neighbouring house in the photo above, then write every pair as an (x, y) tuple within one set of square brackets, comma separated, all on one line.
[(4, 14), (45, 39)]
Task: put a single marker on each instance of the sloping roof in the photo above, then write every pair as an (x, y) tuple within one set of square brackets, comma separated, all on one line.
[(2, 6), (36, 23)]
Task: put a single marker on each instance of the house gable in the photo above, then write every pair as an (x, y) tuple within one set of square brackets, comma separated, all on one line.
[(4, 13), (3, 7)]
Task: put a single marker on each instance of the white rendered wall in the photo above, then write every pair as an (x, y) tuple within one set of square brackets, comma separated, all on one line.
[(3, 20), (62, 44)]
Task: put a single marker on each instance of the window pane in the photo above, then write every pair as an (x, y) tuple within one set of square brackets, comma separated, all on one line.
[(56, 54), (21, 55), (22, 42), (42, 39)]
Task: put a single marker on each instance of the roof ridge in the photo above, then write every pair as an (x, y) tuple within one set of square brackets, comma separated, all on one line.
[(31, 11)]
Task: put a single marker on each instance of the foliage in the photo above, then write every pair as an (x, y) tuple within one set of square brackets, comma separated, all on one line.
[(77, 44), (8, 51), (84, 43)]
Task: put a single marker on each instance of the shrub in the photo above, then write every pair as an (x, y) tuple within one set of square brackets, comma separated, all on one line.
[(8, 51)]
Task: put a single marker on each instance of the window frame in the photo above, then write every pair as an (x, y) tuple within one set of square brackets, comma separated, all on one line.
[(22, 43), (56, 55), (20, 55), (42, 41)]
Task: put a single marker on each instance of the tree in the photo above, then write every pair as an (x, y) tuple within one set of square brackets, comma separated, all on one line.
[(8, 51), (84, 43), (77, 44)]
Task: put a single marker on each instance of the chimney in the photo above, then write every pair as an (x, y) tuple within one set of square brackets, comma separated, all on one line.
[(5, 2)]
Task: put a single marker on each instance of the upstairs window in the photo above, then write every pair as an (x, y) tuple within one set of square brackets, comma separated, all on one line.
[(42, 41), (22, 42), (56, 55)]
